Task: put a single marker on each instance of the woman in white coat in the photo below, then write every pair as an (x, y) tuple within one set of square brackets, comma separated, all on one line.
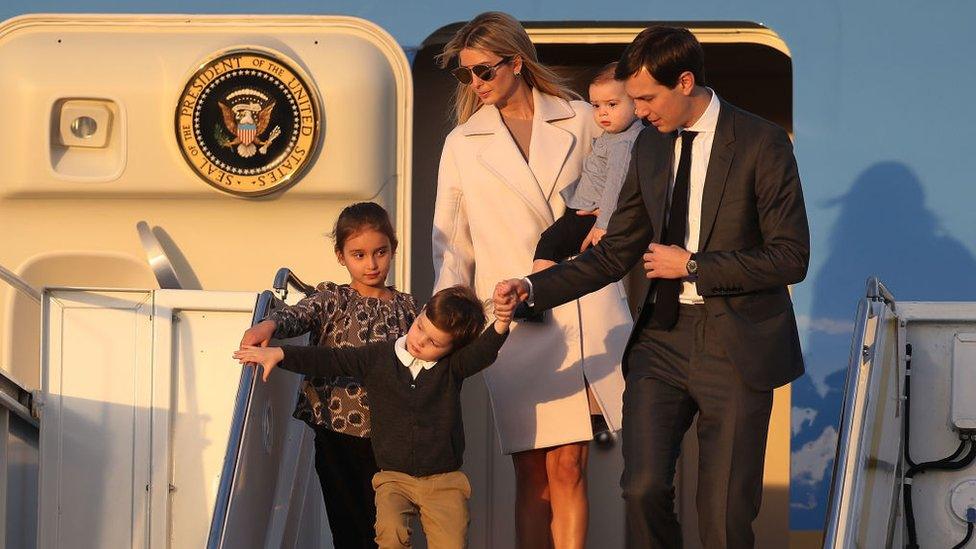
[(520, 139)]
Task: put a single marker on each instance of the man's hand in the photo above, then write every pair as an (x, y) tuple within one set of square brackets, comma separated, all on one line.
[(267, 357), (259, 334), (515, 287), (662, 261), (593, 238)]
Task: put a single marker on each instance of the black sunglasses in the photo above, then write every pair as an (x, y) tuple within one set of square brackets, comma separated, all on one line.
[(483, 71)]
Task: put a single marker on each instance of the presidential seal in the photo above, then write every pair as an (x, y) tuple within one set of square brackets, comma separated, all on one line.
[(247, 123)]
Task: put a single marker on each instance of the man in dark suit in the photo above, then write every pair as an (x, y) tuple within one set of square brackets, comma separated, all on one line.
[(713, 202)]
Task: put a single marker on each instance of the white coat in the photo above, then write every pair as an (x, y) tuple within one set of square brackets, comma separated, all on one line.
[(491, 208)]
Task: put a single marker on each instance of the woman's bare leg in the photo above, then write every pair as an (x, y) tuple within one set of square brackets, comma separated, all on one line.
[(533, 513), (566, 469)]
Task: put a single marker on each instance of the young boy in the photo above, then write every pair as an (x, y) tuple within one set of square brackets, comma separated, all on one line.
[(414, 386), (604, 169)]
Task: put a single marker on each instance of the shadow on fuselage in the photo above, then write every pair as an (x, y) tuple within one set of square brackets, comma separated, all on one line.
[(883, 228)]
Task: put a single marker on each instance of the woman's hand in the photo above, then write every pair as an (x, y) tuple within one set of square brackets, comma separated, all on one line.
[(259, 334), (593, 238), (267, 357)]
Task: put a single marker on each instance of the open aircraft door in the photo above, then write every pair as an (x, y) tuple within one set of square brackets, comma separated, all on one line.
[(234, 141), (237, 139), (145, 435), (904, 473), (146, 439)]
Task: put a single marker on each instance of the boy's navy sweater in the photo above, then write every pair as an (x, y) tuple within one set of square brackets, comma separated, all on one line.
[(416, 424)]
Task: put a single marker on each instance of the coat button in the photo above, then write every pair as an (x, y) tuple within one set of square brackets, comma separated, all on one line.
[(413, 385)]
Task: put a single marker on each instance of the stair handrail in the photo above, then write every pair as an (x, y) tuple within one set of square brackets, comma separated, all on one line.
[(19, 284), (242, 402)]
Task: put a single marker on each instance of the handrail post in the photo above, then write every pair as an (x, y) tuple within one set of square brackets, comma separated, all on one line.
[(876, 291), (285, 278), (238, 419), (19, 284)]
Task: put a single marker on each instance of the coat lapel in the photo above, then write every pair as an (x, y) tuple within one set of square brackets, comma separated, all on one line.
[(550, 145), (719, 163), (501, 156)]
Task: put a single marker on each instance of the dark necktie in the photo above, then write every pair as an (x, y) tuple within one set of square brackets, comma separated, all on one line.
[(668, 290)]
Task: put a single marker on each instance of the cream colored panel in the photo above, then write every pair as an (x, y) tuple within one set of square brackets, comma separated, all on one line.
[(94, 447), (204, 384), (138, 66), (22, 315), (76, 227)]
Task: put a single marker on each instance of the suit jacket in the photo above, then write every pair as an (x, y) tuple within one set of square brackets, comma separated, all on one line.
[(491, 207), (754, 242)]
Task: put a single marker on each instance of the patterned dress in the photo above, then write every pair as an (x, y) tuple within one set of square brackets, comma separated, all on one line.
[(339, 316)]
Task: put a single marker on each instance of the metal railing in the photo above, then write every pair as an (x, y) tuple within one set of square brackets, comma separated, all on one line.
[(18, 471), (17, 399), (841, 507), (242, 402), (19, 284), (285, 278), (876, 291), (13, 395), (267, 300)]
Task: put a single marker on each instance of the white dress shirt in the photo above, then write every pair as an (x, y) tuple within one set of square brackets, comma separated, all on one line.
[(413, 363), (701, 150)]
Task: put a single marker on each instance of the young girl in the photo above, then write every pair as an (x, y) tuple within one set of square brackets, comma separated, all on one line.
[(346, 315)]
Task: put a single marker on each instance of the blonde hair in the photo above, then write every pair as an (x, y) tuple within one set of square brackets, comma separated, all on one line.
[(502, 35)]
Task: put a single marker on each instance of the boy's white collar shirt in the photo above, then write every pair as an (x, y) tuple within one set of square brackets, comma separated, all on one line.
[(413, 363)]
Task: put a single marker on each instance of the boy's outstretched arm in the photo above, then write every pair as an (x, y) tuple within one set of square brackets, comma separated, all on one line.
[(267, 357), (311, 361), (329, 361)]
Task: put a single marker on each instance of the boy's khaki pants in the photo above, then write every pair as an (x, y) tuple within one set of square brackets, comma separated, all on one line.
[(442, 501)]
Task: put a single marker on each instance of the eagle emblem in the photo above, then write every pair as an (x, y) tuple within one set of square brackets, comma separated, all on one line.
[(248, 122), (246, 115)]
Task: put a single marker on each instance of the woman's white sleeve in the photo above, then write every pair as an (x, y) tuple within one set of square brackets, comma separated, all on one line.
[(451, 238)]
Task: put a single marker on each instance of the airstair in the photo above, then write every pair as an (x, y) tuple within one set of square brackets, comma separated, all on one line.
[(904, 473), (140, 436)]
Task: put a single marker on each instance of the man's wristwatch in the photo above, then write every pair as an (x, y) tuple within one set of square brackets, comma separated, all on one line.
[(692, 266)]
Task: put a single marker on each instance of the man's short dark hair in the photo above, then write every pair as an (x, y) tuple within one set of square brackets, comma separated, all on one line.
[(666, 53), (457, 311)]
